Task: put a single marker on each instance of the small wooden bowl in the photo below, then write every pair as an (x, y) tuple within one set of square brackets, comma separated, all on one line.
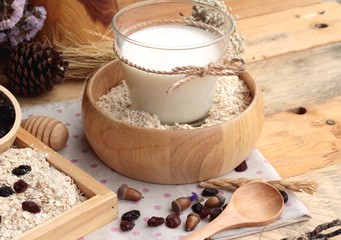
[(168, 156), (7, 140)]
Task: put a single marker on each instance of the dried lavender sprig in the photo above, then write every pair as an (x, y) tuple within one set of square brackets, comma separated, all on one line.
[(18, 7)]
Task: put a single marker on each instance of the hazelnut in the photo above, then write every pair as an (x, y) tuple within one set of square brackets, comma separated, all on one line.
[(192, 221), (215, 201), (127, 193), (181, 204)]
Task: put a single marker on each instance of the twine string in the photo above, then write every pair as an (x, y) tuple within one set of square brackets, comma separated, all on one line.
[(223, 67)]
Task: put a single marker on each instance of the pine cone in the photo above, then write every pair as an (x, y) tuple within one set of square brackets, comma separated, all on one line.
[(35, 68)]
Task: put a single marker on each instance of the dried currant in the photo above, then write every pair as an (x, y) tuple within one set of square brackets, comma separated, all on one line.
[(241, 167), (196, 207), (127, 225), (204, 212), (173, 220), (284, 196), (30, 206), (20, 186), (6, 191), (131, 215), (21, 170), (7, 115), (207, 192), (215, 212), (155, 221)]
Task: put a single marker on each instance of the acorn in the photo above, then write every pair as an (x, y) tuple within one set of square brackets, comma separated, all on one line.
[(192, 221), (182, 203), (215, 201), (127, 193)]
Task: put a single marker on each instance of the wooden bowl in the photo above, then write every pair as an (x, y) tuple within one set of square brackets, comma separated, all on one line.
[(7, 140), (168, 156)]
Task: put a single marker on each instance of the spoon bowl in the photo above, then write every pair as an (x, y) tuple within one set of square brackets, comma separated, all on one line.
[(253, 204)]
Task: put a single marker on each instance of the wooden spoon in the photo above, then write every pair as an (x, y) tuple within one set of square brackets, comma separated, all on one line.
[(253, 204)]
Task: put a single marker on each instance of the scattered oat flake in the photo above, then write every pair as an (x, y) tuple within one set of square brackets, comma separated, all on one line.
[(232, 97), (52, 190)]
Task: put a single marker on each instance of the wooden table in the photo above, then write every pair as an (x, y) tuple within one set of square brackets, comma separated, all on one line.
[(294, 53)]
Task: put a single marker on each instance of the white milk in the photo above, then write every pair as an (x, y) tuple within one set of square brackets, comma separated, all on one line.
[(173, 46)]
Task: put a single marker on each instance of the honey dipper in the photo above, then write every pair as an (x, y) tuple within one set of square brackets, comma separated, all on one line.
[(48, 130)]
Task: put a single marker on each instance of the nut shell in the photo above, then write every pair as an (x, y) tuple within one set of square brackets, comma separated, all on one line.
[(215, 201), (127, 193), (181, 204), (192, 221)]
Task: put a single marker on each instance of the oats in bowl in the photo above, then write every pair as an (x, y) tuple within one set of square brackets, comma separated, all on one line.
[(33, 191)]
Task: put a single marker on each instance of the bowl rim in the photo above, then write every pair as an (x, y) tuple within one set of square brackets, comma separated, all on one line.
[(17, 120), (91, 83)]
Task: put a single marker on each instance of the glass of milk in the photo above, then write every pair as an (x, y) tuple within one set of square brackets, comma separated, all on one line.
[(160, 35)]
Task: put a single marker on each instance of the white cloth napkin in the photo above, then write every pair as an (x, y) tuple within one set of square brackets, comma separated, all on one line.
[(157, 198)]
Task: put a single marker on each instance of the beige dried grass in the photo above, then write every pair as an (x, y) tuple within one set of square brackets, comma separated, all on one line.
[(85, 59), (307, 186)]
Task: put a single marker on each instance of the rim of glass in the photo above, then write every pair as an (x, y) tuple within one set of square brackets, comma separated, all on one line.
[(149, 2)]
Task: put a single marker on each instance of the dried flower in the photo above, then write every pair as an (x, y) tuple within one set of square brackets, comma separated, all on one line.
[(12, 11), (19, 24)]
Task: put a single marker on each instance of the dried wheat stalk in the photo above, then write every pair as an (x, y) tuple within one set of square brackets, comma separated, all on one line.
[(307, 186)]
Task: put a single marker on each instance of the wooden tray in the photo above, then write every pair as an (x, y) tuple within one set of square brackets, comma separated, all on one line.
[(100, 207)]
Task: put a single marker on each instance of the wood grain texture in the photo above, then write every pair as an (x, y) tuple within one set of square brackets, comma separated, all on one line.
[(168, 156), (247, 8), (291, 30), (300, 143), (99, 209)]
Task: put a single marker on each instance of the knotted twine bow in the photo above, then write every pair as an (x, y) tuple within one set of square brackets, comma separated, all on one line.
[(223, 67)]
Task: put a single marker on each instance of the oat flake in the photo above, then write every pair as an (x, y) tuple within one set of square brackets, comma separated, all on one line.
[(52, 190), (232, 97)]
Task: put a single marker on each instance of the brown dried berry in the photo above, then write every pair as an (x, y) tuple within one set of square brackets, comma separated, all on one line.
[(155, 221), (20, 186), (127, 193), (30, 206), (131, 215), (284, 196), (192, 221), (127, 225), (207, 192), (215, 212), (215, 201), (173, 220), (204, 212), (196, 207), (21, 170), (241, 167), (6, 191)]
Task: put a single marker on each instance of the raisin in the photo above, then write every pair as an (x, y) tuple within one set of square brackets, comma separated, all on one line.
[(284, 195), (6, 191), (215, 212), (207, 192), (173, 220), (224, 206), (204, 212), (30, 206), (241, 167), (20, 186), (21, 170), (196, 207), (131, 215), (155, 221), (7, 115), (127, 225)]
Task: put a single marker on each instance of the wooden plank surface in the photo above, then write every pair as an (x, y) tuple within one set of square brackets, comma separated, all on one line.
[(297, 143), (291, 30)]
